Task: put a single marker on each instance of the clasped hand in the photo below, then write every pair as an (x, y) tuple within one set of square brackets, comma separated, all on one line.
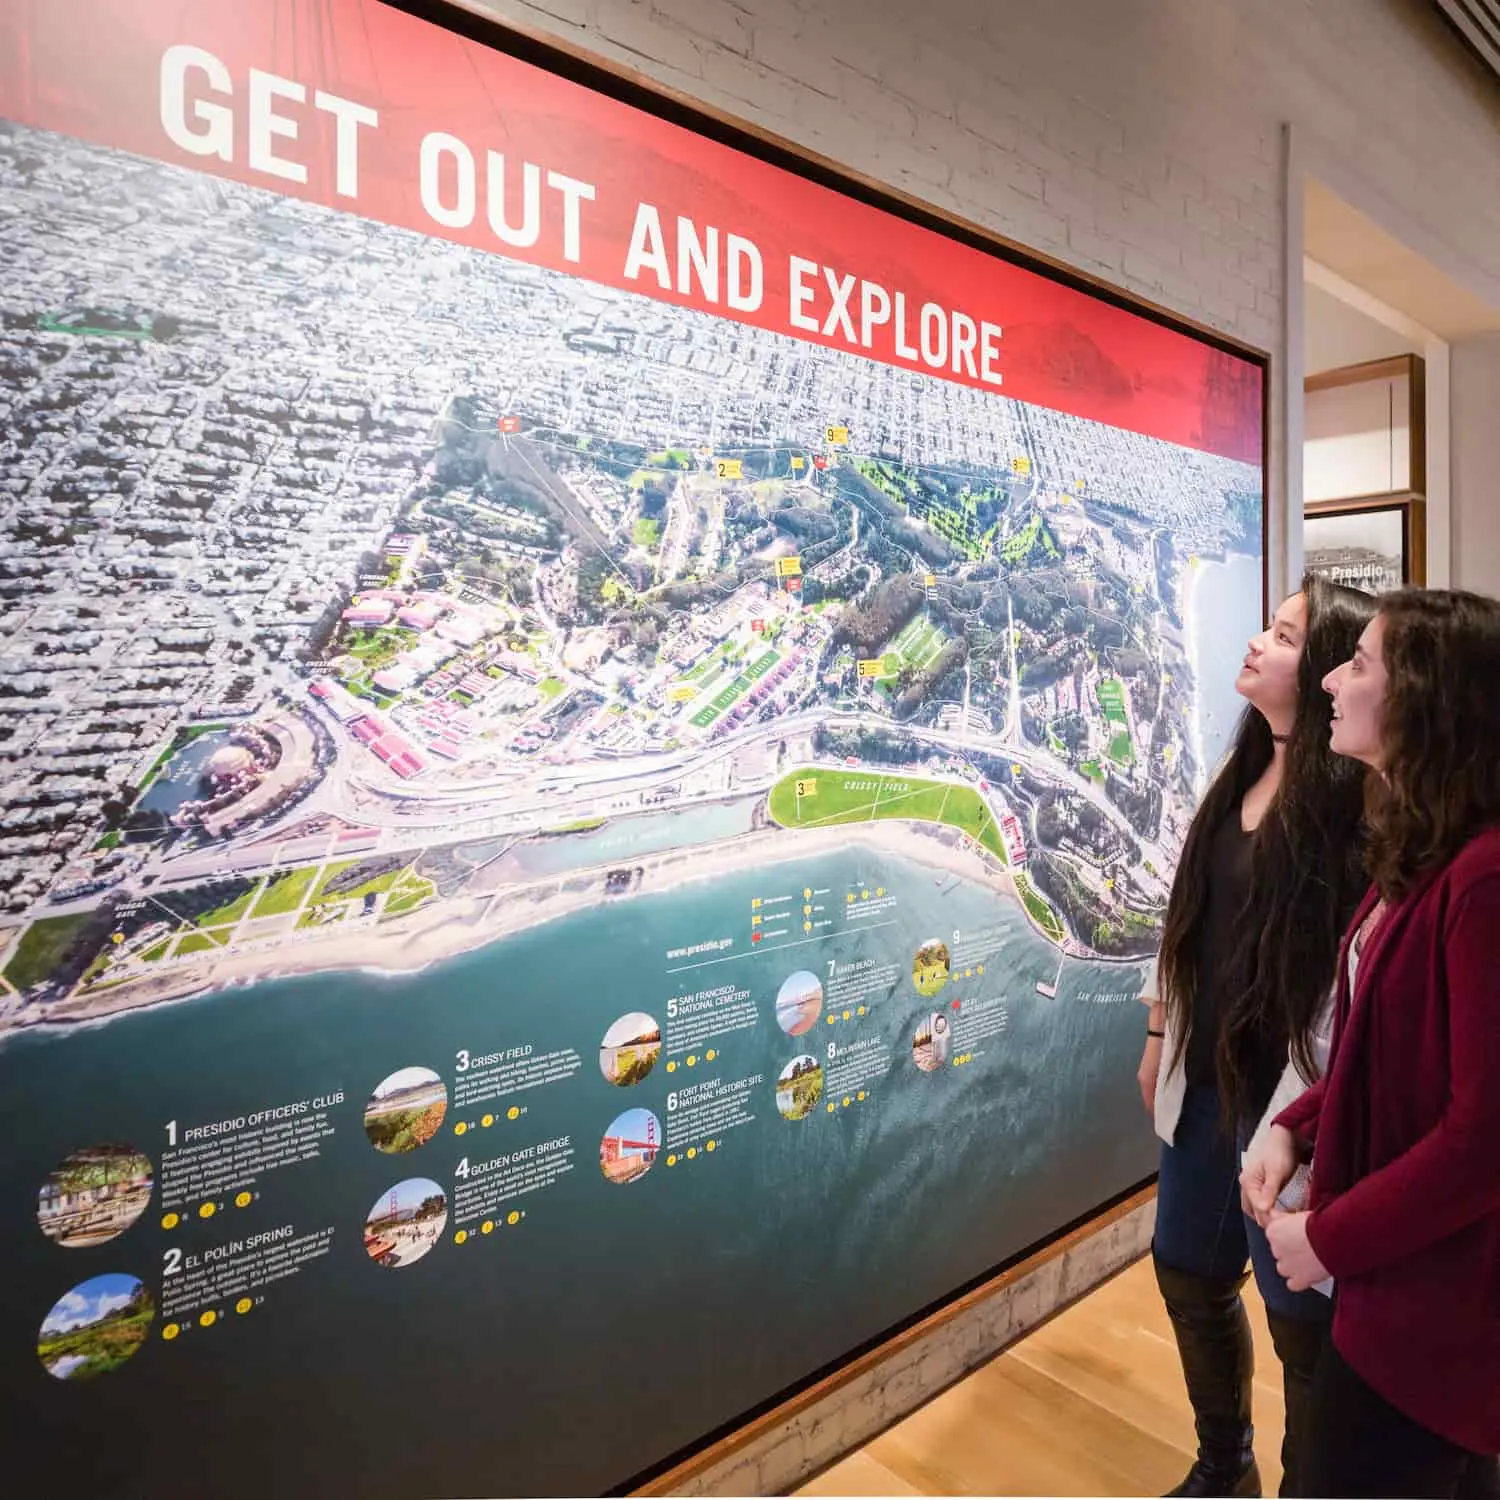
[(1296, 1260), (1266, 1172)]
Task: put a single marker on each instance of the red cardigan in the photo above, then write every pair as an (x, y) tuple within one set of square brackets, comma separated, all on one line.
[(1405, 1127)]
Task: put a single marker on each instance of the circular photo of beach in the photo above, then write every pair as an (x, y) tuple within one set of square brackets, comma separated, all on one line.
[(406, 1110), (94, 1195), (630, 1049), (95, 1328), (406, 1222), (929, 969), (629, 1147), (799, 1087), (932, 1046), (799, 1003)]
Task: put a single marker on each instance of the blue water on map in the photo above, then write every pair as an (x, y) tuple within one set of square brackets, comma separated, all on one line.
[(568, 1327), (181, 779)]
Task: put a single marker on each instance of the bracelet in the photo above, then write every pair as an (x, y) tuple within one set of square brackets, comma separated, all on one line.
[(1150, 1032)]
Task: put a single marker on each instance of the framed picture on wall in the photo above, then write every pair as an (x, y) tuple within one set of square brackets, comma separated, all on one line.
[(1373, 545)]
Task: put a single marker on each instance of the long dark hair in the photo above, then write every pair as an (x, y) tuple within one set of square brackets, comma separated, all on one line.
[(1307, 874), (1440, 734)]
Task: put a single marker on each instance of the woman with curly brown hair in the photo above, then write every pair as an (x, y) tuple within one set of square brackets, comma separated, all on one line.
[(1404, 1128)]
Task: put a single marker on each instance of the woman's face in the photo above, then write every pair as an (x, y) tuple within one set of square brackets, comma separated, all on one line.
[(1268, 677), (1358, 692)]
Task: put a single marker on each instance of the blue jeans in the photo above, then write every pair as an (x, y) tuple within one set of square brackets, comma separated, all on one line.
[(1200, 1227)]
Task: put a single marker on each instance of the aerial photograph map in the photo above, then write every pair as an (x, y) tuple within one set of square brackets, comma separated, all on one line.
[(473, 594)]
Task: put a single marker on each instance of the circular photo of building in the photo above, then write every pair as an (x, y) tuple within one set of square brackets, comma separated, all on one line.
[(799, 1003), (799, 1087), (630, 1146), (93, 1195), (932, 1046), (929, 969), (630, 1049), (406, 1110), (406, 1222), (95, 1328)]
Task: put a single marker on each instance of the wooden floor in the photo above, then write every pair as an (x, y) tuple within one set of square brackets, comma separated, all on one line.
[(1091, 1404)]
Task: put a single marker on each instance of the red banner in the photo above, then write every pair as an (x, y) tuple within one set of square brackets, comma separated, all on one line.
[(354, 105)]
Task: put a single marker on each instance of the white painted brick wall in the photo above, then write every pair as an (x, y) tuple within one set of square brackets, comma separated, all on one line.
[(1135, 139)]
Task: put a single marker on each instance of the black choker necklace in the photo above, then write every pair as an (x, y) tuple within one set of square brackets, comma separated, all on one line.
[(1281, 739)]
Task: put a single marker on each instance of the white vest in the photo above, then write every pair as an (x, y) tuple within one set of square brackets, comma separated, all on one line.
[(1171, 1080)]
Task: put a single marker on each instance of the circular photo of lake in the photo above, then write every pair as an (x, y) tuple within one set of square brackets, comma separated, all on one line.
[(94, 1195), (932, 1046), (406, 1222), (95, 1328), (630, 1049), (799, 1087), (799, 1003), (929, 968), (630, 1146), (406, 1110)]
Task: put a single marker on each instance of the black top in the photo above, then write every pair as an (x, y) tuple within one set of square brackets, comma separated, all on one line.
[(1229, 859)]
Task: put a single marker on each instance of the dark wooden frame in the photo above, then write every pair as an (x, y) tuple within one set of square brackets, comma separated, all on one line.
[(1411, 500), (633, 87)]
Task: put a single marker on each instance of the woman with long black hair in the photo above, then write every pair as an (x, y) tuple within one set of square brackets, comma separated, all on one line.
[(1404, 1128), (1269, 875)]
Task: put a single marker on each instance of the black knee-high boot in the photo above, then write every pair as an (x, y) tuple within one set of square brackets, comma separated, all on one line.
[(1480, 1479), (1299, 1342), (1218, 1361)]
